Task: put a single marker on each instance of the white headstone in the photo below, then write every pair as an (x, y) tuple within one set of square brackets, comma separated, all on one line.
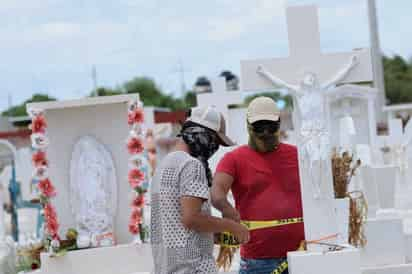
[(385, 178), (370, 189), (356, 102), (220, 98), (400, 154), (104, 119), (386, 243)]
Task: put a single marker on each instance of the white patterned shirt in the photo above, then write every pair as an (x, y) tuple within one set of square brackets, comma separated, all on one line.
[(176, 249)]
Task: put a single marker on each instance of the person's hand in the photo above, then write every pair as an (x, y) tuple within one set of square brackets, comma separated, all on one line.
[(241, 233), (231, 214)]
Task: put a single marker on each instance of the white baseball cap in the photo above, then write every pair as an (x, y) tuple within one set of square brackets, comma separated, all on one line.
[(212, 119), (262, 108)]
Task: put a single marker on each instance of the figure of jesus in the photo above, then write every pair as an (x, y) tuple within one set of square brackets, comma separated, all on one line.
[(311, 121)]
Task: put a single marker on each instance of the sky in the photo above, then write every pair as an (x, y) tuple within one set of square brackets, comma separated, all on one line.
[(51, 46)]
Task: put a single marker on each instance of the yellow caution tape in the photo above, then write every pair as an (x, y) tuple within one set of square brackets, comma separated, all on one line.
[(282, 267), (227, 239), (253, 225)]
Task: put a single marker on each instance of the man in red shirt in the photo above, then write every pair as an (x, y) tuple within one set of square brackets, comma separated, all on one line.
[(264, 179)]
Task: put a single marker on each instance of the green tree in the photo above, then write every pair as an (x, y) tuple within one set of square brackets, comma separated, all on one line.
[(20, 110), (102, 91), (398, 80), (190, 99), (151, 94)]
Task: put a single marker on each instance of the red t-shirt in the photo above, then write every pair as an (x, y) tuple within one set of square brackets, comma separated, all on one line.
[(266, 187)]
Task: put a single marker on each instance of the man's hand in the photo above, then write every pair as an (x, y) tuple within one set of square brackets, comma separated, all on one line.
[(241, 233)]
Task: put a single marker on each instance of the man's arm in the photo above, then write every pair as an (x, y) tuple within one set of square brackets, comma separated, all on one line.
[(222, 183), (193, 218)]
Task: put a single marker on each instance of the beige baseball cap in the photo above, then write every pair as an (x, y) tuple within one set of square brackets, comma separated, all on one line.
[(262, 108), (212, 119)]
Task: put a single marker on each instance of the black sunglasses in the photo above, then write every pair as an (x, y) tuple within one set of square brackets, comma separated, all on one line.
[(262, 126)]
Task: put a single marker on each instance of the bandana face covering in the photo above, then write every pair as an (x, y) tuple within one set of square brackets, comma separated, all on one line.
[(264, 135), (202, 143)]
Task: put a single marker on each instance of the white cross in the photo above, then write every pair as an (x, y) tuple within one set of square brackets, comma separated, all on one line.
[(220, 98), (305, 55), (399, 139)]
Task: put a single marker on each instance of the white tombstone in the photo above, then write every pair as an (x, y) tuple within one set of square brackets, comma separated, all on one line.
[(2, 226), (220, 98), (8, 154), (370, 189), (103, 119), (235, 119), (356, 102), (343, 262), (385, 178), (399, 140), (385, 243), (122, 259)]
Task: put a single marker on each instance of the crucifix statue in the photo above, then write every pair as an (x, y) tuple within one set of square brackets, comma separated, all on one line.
[(312, 128)]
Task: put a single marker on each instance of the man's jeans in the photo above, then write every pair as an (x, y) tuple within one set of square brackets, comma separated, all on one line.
[(260, 266)]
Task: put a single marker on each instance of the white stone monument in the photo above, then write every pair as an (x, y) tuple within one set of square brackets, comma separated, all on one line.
[(356, 102), (221, 99), (311, 76), (235, 119), (88, 166), (89, 160)]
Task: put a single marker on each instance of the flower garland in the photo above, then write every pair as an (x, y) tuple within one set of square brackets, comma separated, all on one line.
[(135, 175), (45, 187)]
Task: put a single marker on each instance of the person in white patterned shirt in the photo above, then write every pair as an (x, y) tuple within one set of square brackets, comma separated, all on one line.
[(181, 223)]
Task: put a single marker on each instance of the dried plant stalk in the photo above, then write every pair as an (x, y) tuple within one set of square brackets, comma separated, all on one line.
[(343, 170), (358, 214), (225, 258)]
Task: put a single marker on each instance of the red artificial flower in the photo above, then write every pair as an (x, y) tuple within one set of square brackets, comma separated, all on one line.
[(39, 159), (135, 220), (38, 124), (52, 227), (135, 145), (46, 188), (136, 215), (135, 116), (135, 178), (134, 229), (50, 217), (138, 201)]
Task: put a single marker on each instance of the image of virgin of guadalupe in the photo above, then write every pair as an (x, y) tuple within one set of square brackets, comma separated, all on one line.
[(93, 194)]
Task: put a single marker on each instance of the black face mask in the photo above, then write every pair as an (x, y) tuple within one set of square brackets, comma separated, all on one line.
[(202, 143), (264, 135)]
